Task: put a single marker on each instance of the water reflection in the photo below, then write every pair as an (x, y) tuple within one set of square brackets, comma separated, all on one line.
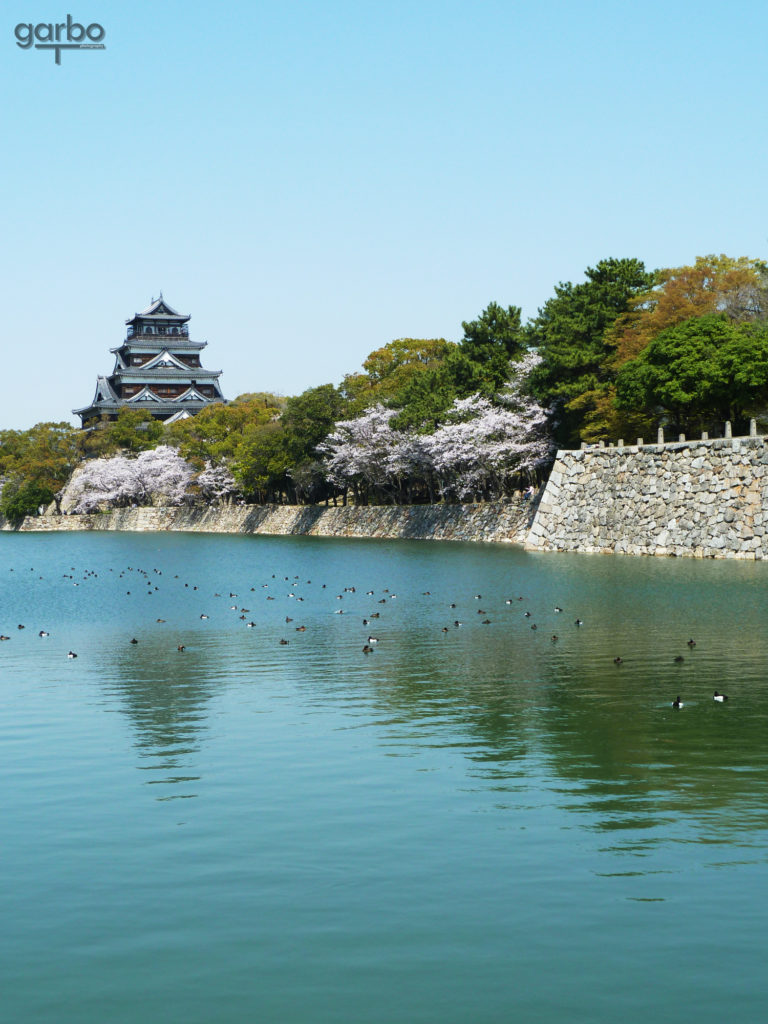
[(600, 740), (166, 695)]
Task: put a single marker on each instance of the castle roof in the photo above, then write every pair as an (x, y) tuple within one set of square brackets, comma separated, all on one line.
[(159, 309), (164, 384)]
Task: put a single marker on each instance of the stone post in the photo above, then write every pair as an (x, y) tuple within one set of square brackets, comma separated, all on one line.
[(639, 442), (753, 428), (681, 437), (660, 436), (728, 429), (602, 444), (704, 435), (620, 443), (583, 445)]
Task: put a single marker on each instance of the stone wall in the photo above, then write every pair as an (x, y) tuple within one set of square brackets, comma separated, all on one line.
[(491, 521), (707, 499)]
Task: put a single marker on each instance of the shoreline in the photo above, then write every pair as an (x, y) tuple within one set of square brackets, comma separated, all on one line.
[(506, 522)]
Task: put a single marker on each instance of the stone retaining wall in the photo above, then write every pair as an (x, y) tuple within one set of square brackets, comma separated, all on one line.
[(707, 499), (491, 521)]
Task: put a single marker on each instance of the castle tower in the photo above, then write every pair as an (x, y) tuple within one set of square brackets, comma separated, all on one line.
[(157, 368)]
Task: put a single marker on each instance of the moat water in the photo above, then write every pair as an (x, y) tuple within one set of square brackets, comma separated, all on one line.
[(478, 824)]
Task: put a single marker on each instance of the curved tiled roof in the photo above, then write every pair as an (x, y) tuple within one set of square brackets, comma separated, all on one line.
[(164, 365)]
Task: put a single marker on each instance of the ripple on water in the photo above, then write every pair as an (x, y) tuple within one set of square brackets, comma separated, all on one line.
[(418, 833)]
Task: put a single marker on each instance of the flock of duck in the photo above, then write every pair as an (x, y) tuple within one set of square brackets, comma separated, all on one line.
[(295, 583)]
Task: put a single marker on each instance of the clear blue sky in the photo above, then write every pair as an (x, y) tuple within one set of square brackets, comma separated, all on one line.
[(311, 180)]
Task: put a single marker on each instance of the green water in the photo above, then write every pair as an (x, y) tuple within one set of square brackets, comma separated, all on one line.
[(477, 825)]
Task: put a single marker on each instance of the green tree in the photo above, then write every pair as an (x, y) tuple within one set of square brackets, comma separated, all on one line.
[(389, 371), (22, 498), (36, 464), (569, 334), (307, 420), (134, 430), (491, 341), (215, 433), (699, 373), (260, 463), (738, 288)]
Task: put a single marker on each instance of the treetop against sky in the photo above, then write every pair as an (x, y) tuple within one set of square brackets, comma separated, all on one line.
[(311, 180)]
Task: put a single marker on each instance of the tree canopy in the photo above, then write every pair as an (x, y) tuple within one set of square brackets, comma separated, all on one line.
[(569, 333), (699, 372), (425, 417)]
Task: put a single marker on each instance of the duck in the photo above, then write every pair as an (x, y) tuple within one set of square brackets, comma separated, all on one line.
[(250, 625), (719, 697), (181, 647), (42, 633), (677, 703), (134, 641), (679, 658), (283, 643), (691, 643), (367, 649), (71, 654), (579, 622), (373, 639), (301, 629), (618, 661), (555, 638), (558, 608), (203, 616)]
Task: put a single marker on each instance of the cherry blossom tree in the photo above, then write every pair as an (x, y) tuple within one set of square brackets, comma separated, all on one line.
[(216, 482), (105, 482), (481, 449), (163, 472), (359, 452), (120, 481), (484, 446)]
